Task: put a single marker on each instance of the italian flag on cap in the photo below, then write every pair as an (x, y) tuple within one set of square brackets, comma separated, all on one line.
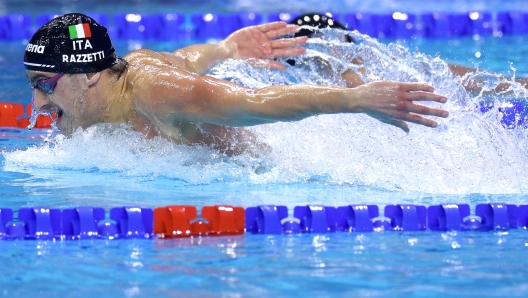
[(80, 31)]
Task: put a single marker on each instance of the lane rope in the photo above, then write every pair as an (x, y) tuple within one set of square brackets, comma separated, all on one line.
[(176, 221)]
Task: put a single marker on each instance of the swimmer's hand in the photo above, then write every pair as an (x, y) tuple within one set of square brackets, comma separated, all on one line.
[(259, 43), (393, 103)]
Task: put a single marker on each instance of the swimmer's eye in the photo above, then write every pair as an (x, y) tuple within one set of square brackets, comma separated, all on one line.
[(46, 85)]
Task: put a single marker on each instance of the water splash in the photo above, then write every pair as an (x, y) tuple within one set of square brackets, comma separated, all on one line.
[(470, 152), (50, 111)]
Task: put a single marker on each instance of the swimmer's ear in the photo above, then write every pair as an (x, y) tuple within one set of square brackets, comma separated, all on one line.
[(93, 78)]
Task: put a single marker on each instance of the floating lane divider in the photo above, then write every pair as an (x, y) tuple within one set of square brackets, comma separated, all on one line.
[(12, 115), (179, 221), (211, 25), (514, 115)]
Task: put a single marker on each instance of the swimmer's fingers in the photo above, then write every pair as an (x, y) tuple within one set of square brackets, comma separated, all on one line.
[(426, 96), (288, 42), (416, 87), (271, 26), (400, 118), (288, 52), (275, 64), (398, 123), (412, 113), (423, 110), (421, 92), (416, 119), (277, 29)]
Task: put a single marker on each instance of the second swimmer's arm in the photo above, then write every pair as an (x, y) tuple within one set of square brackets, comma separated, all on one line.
[(473, 86), (353, 79)]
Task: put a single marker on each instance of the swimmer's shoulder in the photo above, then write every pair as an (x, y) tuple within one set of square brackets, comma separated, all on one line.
[(143, 72), (149, 57)]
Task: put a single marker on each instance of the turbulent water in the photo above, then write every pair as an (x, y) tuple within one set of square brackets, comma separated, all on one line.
[(470, 152)]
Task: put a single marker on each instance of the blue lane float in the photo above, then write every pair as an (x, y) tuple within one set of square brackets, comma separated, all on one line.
[(133, 222), (266, 219), (82, 222), (512, 22), (362, 22), (6, 215), (356, 218), (448, 217), (407, 217), (210, 25), (87, 222), (497, 216), (41, 222), (16, 26), (513, 114), (522, 216), (316, 218), (283, 16)]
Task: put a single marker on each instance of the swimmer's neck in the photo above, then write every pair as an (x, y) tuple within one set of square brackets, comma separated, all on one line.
[(120, 107), (118, 97)]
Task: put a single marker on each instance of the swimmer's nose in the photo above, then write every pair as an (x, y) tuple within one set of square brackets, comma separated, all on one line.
[(43, 105), (39, 99)]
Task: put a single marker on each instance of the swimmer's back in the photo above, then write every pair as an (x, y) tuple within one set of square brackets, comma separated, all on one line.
[(142, 58)]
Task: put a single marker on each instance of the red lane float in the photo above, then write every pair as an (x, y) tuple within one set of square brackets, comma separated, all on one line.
[(182, 221), (178, 221), (12, 115)]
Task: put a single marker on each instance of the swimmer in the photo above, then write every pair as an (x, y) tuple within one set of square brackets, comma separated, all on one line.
[(72, 66), (352, 78)]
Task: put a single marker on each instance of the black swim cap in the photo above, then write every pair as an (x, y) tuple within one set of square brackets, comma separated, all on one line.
[(72, 43), (316, 20)]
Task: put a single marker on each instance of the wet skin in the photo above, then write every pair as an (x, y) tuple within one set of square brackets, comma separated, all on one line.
[(166, 94)]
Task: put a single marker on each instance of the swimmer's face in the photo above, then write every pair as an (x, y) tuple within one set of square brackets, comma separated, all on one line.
[(67, 100)]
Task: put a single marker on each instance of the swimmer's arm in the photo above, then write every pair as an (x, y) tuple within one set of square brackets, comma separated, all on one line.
[(460, 70), (472, 86), (200, 58), (352, 79), (255, 42), (184, 97)]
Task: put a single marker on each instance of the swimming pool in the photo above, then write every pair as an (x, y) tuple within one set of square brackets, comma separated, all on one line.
[(332, 160)]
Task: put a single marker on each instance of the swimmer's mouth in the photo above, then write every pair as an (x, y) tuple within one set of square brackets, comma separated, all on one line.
[(51, 109)]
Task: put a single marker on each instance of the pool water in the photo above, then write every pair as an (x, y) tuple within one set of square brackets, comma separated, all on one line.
[(333, 160), (375, 264)]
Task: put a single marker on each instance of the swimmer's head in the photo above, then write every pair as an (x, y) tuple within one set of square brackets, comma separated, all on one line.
[(64, 62), (317, 20), (73, 43)]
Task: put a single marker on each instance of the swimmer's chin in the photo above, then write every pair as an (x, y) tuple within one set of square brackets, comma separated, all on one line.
[(67, 128), (68, 125)]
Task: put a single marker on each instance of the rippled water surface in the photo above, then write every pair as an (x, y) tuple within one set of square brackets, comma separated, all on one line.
[(330, 159), (375, 264)]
